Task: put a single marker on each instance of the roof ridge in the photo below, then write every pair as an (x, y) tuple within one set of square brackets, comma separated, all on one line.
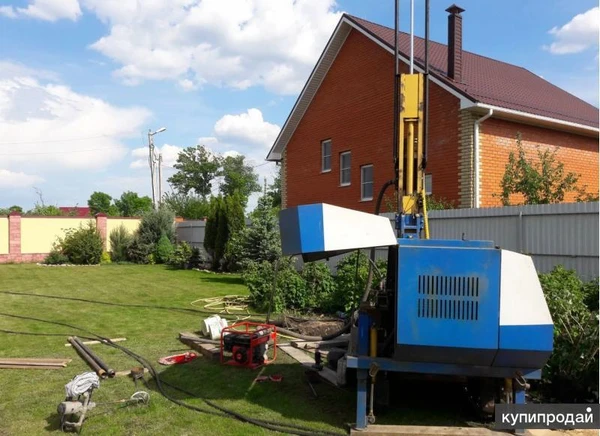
[(435, 42)]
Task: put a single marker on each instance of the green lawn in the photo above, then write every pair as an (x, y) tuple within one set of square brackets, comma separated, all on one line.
[(29, 397)]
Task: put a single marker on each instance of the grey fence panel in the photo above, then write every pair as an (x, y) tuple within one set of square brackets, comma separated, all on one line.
[(192, 232), (555, 234)]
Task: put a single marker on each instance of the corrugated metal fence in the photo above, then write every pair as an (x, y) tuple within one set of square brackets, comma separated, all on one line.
[(554, 234)]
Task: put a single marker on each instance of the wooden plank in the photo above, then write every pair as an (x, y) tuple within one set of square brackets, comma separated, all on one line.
[(34, 360), (414, 430), (16, 366), (99, 342), (211, 351), (128, 372), (326, 373)]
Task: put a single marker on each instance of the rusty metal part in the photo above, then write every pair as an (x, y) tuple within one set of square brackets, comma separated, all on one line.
[(109, 371), (88, 359)]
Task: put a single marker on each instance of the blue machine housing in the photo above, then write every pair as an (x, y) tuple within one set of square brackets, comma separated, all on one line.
[(449, 307)]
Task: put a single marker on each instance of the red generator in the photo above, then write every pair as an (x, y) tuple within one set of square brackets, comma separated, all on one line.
[(248, 344)]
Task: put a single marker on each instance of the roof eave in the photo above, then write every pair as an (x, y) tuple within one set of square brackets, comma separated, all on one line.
[(536, 120)]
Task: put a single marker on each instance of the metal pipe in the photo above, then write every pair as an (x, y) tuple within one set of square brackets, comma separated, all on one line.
[(410, 158), (110, 372), (412, 42), (396, 146), (426, 90), (476, 154), (88, 359)]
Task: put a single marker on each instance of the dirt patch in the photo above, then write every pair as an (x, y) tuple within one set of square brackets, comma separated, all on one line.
[(314, 327)]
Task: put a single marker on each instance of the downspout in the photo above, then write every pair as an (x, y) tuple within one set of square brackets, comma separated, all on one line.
[(476, 146)]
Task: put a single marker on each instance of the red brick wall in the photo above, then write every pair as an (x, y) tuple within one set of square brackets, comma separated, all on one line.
[(579, 154), (354, 108)]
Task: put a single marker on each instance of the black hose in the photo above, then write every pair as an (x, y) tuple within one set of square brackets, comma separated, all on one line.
[(372, 254), (109, 371), (270, 425)]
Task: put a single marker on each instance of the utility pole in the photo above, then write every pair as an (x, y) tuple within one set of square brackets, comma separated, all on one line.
[(152, 161), (159, 179)]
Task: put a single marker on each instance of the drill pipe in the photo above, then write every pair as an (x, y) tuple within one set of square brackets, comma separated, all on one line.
[(88, 359), (109, 371)]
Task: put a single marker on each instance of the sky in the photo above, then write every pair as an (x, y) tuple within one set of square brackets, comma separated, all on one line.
[(83, 81)]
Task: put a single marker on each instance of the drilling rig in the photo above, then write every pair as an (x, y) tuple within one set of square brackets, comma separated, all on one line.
[(458, 308)]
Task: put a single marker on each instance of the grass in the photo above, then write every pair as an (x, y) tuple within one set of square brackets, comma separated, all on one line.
[(30, 397)]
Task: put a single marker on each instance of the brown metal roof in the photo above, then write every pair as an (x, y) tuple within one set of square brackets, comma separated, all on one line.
[(492, 82)]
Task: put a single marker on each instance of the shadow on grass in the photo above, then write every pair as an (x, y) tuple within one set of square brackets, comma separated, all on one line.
[(411, 402), (223, 279)]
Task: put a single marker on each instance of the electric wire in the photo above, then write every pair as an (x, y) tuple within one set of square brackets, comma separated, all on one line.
[(268, 424)]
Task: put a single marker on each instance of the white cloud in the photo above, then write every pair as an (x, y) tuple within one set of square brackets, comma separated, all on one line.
[(48, 128), (577, 35), (233, 43), (47, 10), (8, 11), (10, 179), (247, 127)]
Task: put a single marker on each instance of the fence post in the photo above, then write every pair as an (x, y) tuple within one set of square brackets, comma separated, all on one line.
[(14, 233), (101, 223)]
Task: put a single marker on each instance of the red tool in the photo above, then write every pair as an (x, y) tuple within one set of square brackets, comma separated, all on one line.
[(248, 343), (177, 358)]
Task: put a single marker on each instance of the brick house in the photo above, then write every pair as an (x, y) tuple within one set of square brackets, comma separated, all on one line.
[(336, 144)]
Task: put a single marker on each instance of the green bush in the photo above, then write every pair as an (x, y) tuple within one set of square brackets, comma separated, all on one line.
[(351, 280), (56, 257), (181, 256), (320, 286), (105, 258), (120, 239), (290, 287), (83, 246), (571, 374), (139, 252), (164, 249)]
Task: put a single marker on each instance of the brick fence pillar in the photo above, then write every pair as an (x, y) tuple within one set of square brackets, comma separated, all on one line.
[(14, 233), (101, 223)]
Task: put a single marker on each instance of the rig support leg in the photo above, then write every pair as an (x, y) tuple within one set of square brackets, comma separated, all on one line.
[(519, 398), (361, 399)]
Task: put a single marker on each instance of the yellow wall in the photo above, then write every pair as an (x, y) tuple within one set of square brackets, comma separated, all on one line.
[(3, 235), (38, 234), (112, 223)]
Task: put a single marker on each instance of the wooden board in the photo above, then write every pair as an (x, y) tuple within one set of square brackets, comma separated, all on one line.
[(307, 361), (98, 342), (127, 372), (211, 351), (417, 430), (34, 362), (17, 366)]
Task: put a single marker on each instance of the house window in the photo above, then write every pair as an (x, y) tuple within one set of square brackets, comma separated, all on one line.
[(428, 181), (345, 168), (366, 182), (326, 156)]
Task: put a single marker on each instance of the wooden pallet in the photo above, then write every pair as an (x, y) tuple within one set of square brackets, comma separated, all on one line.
[(211, 351)]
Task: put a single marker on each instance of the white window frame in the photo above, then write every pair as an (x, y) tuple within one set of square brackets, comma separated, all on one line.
[(428, 184), (349, 168), (363, 183), (324, 155)]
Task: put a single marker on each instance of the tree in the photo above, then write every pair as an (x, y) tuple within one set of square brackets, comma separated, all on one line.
[(196, 169), (541, 182), (274, 190), (190, 207), (100, 202), (131, 204), (238, 177)]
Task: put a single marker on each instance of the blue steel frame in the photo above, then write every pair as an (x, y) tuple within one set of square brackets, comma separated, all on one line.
[(362, 363)]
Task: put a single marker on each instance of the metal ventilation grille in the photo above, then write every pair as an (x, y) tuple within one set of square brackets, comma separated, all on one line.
[(448, 297)]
